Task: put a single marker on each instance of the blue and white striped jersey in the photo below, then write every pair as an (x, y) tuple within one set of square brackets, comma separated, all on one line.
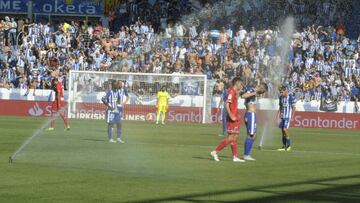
[(115, 98), (318, 95), (347, 71), (112, 98), (307, 95), (123, 92), (285, 104)]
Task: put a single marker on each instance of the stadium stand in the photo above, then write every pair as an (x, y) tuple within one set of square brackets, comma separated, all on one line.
[(165, 36)]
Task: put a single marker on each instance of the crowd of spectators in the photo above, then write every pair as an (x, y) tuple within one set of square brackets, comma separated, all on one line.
[(267, 12), (155, 12), (322, 63), (214, 13)]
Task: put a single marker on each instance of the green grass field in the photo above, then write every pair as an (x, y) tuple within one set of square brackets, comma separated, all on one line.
[(172, 164)]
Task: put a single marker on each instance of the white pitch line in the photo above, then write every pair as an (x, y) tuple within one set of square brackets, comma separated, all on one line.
[(35, 134)]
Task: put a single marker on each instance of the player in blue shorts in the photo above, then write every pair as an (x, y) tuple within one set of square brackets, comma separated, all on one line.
[(250, 94), (114, 100), (286, 114)]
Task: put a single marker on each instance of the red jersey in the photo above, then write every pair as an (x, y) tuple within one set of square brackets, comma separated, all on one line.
[(60, 91), (232, 98), (59, 97), (233, 126)]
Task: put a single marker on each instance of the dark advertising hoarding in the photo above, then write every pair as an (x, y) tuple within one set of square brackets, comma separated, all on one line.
[(54, 7)]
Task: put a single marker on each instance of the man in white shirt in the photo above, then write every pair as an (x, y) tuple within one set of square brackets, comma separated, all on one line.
[(182, 52), (179, 33), (144, 29), (237, 40), (169, 31), (13, 32), (242, 32), (193, 31)]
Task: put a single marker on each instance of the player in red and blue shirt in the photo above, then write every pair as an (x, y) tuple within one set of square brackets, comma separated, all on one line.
[(286, 114), (233, 122)]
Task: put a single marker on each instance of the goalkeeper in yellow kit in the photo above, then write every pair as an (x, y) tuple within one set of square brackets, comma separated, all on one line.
[(162, 105)]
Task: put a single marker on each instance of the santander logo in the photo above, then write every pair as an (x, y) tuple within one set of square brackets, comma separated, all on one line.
[(36, 110)]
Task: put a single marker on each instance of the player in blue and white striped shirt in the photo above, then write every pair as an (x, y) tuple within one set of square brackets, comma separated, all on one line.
[(114, 100), (286, 114), (250, 94)]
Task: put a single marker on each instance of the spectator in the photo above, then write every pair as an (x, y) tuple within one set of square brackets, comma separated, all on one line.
[(12, 31)]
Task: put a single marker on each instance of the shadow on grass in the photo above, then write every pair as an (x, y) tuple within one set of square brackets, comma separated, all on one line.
[(332, 192), (203, 157), (210, 158), (212, 135), (94, 140)]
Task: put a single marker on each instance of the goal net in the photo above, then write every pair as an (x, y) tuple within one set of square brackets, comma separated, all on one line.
[(190, 95)]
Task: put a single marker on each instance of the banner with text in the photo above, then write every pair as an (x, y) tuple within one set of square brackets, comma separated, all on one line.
[(58, 7), (68, 7), (179, 100), (14, 6), (178, 114)]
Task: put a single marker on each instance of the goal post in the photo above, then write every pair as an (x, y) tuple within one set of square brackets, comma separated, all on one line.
[(190, 101)]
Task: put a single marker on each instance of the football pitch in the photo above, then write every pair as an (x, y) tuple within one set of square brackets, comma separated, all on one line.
[(171, 163)]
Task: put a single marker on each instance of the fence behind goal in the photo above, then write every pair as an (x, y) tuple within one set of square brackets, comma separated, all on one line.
[(190, 95)]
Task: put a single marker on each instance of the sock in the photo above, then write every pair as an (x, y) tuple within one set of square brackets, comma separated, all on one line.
[(53, 117), (284, 141), (234, 148), (119, 132), (158, 116), (288, 142), (248, 145), (163, 116), (110, 129), (52, 124), (64, 119), (222, 144)]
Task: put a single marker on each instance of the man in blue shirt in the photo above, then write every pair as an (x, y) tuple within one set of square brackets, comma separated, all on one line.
[(114, 101), (286, 114), (250, 94)]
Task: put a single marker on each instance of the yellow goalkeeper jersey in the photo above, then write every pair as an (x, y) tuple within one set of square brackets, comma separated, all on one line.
[(163, 98)]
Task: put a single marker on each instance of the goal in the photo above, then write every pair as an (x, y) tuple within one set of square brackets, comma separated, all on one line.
[(190, 95)]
